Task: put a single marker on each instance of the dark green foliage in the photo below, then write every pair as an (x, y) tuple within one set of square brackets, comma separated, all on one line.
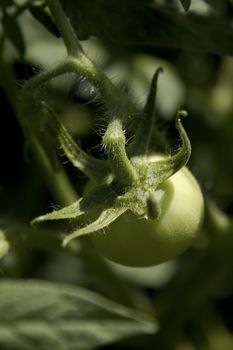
[(6, 3), (14, 33), (148, 23), (39, 12)]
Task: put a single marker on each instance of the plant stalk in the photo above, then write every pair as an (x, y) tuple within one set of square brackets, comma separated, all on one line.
[(65, 28)]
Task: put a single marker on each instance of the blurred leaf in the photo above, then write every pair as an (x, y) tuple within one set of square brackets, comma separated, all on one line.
[(152, 23), (62, 317), (39, 12), (6, 3), (14, 33), (186, 4), (4, 245)]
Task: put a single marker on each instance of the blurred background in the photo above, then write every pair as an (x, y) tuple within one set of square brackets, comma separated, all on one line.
[(192, 295)]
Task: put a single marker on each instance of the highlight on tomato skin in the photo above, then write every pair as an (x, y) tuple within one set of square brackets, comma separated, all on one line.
[(138, 242)]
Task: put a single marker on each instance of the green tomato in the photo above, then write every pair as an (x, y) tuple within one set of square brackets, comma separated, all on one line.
[(139, 242)]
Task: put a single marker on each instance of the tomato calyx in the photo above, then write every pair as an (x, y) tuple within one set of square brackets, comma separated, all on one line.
[(128, 180), (113, 199)]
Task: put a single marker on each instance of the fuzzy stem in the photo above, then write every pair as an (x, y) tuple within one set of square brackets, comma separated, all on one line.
[(65, 28), (114, 142), (82, 65), (43, 77), (115, 100)]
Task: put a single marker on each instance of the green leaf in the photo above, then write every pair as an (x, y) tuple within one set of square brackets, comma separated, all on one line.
[(43, 315), (156, 23), (14, 34), (39, 12), (186, 4)]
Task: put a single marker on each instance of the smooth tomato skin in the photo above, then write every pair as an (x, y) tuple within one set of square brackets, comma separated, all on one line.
[(137, 242)]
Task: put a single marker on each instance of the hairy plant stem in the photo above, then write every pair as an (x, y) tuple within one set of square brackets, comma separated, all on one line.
[(119, 109), (114, 143), (117, 104), (78, 63)]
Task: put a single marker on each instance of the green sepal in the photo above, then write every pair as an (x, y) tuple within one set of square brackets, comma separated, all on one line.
[(70, 212), (90, 166), (102, 196), (144, 130), (106, 217), (159, 171)]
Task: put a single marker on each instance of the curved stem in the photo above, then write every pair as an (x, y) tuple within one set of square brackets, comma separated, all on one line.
[(82, 65), (43, 77), (114, 99), (116, 102)]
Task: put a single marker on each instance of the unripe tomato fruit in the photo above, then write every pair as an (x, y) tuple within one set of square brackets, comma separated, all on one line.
[(139, 242)]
